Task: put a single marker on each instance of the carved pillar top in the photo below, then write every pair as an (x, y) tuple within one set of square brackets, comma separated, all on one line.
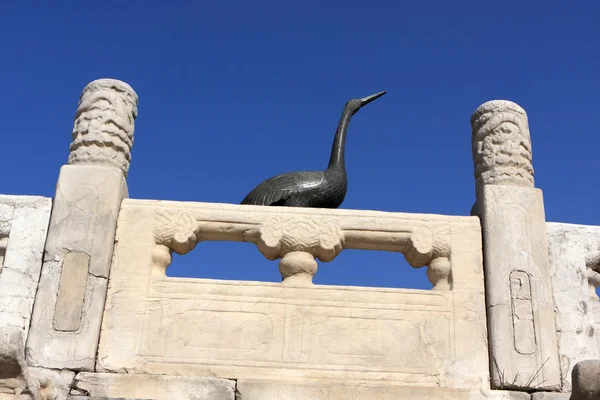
[(501, 145), (104, 125)]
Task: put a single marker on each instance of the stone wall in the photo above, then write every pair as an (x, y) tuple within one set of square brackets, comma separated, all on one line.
[(575, 259), (87, 311), (23, 228)]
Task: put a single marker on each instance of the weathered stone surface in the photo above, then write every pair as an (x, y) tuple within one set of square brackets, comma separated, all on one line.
[(232, 329), (52, 384), (550, 396), (156, 387), (104, 125), (23, 228), (572, 251), (67, 315), (596, 315), (13, 368), (19, 381), (83, 221), (273, 390), (522, 333), (586, 380), (98, 398), (501, 145)]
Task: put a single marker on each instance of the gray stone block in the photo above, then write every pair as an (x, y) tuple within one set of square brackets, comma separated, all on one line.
[(586, 380)]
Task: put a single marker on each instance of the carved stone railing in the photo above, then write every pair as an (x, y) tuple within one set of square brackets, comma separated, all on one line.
[(294, 329), (299, 237)]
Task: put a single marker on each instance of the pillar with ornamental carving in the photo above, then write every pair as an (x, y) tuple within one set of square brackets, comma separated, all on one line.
[(70, 300), (520, 307)]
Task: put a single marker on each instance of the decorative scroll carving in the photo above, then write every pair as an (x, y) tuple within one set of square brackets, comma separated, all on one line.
[(320, 236), (297, 240), (501, 145), (104, 125), (430, 245), (176, 229)]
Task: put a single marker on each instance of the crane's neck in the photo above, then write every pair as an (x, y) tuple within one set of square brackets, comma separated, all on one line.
[(336, 161)]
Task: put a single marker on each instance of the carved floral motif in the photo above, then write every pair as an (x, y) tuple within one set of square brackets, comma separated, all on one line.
[(176, 229), (426, 243), (320, 236), (104, 125), (430, 245), (501, 145)]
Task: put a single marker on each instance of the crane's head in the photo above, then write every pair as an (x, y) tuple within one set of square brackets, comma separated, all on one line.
[(355, 104)]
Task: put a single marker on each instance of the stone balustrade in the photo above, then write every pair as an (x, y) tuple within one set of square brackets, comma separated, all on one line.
[(299, 236), (295, 328), (88, 311)]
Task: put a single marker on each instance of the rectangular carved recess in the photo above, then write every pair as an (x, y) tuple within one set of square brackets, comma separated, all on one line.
[(69, 304), (238, 329)]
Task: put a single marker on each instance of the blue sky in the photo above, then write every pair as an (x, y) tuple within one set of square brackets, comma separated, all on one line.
[(234, 92)]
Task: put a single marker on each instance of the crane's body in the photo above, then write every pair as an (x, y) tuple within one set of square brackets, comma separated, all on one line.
[(317, 189)]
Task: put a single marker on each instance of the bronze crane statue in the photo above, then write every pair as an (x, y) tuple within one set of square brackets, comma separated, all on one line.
[(319, 189)]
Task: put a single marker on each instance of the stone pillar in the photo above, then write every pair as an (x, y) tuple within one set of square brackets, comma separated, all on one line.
[(70, 299), (520, 308)]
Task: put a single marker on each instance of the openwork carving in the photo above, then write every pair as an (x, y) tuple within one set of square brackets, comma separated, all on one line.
[(104, 125), (176, 229), (501, 145), (321, 237)]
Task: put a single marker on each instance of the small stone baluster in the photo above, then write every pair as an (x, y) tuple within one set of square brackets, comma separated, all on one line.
[(298, 268)]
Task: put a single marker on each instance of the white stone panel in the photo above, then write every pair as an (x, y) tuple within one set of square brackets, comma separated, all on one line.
[(231, 329), (520, 306)]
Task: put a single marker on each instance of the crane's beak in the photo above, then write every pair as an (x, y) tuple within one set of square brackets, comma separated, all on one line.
[(366, 100)]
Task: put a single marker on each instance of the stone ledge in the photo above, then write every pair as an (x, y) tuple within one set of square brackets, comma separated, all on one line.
[(278, 390), (550, 396), (99, 398), (96, 386)]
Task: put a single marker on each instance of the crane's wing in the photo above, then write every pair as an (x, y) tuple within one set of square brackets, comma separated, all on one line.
[(279, 188)]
